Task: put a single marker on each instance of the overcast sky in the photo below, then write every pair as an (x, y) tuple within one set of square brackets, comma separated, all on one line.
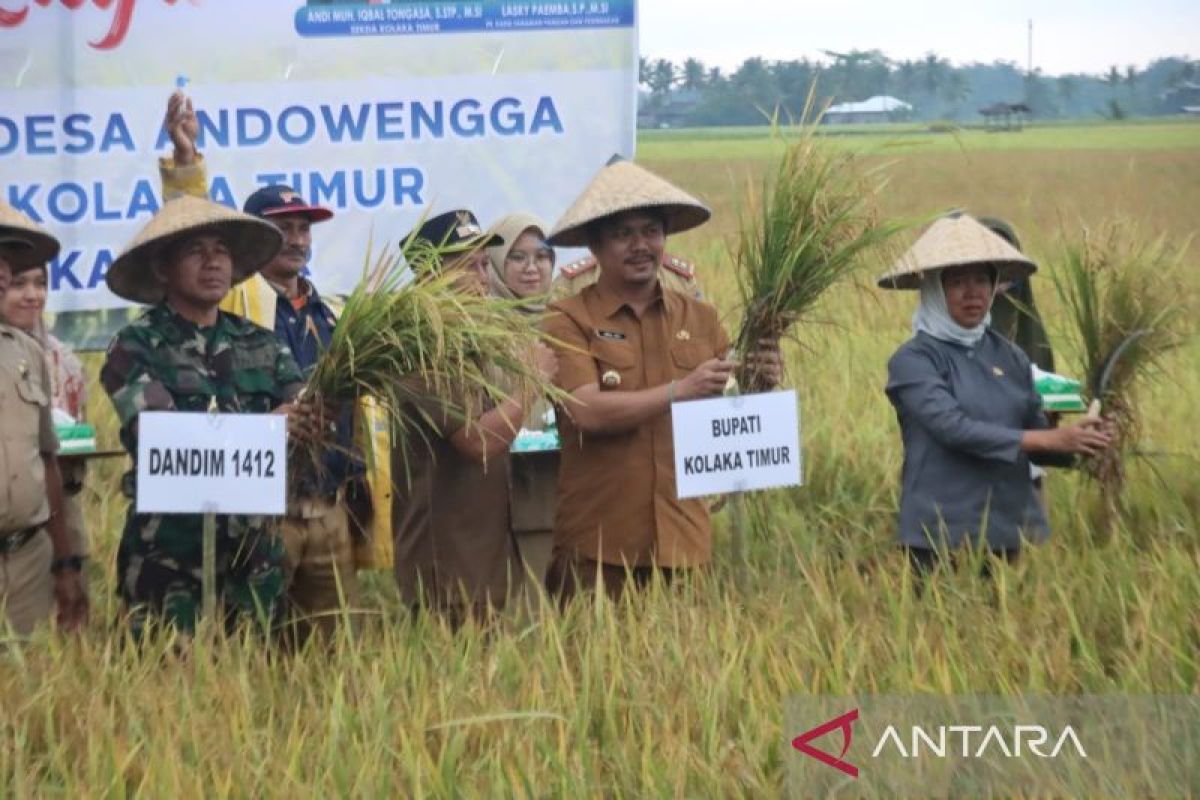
[(1068, 35)]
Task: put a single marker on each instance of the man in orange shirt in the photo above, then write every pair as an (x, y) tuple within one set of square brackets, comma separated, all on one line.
[(628, 348)]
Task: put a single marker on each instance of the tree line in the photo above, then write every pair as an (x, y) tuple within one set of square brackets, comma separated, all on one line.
[(692, 93)]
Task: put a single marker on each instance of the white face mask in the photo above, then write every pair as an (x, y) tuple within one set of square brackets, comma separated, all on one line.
[(933, 315)]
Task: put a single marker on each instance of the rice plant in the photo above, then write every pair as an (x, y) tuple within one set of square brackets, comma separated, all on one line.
[(410, 329), (806, 227), (1127, 308)]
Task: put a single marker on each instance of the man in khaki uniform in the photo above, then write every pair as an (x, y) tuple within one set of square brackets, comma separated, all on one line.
[(629, 348), (37, 565)]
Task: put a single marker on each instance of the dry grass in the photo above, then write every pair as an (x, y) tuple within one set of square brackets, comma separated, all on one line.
[(681, 693)]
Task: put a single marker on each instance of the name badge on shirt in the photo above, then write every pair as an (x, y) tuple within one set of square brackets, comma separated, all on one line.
[(615, 336)]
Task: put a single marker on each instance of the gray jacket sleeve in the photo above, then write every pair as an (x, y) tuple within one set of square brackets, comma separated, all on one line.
[(919, 391), (1036, 420)]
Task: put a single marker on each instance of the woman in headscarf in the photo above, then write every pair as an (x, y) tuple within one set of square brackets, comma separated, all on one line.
[(969, 417), (521, 269), (24, 306)]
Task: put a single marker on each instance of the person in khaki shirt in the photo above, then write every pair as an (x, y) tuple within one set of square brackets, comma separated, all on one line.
[(628, 348), (38, 569), (454, 549)]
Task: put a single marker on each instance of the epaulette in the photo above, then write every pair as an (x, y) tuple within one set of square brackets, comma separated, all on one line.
[(680, 267), (577, 268)]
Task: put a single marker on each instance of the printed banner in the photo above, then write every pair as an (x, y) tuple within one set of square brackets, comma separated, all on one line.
[(496, 106)]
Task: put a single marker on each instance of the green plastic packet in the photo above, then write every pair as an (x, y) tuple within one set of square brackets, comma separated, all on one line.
[(1058, 392), (74, 437)]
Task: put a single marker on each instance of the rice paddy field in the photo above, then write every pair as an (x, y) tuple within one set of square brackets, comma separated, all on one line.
[(681, 691)]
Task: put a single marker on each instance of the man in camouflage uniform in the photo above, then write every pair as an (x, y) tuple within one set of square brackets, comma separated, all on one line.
[(184, 354), (331, 511)]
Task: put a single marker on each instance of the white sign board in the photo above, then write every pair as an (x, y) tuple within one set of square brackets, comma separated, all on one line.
[(383, 112), (192, 463), (736, 444)]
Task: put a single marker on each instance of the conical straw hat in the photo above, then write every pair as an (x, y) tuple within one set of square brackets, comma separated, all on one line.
[(251, 241), (26, 243), (953, 241), (624, 186)]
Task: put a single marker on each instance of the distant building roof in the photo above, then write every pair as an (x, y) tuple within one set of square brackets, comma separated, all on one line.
[(879, 104)]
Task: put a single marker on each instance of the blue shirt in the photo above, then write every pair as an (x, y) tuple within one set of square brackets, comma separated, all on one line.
[(962, 412), (307, 331)]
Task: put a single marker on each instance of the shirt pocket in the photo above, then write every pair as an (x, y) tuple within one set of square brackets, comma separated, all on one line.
[(616, 359), (21, 469), (31, 392), (686, 356)]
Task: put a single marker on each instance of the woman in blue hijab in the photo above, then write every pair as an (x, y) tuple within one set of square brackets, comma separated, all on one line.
[(969, 417)]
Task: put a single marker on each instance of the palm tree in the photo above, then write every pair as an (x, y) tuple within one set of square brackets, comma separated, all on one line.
[(662, 77), (693, 74), (1112, 78), (933, 72), (1131, 80), (1067, 87), (906, 76), (955, 89)]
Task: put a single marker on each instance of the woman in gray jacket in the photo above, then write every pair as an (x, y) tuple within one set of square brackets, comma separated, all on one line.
[(969, 416)]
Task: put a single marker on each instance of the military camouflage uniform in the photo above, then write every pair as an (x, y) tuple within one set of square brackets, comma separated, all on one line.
[(162, 362)]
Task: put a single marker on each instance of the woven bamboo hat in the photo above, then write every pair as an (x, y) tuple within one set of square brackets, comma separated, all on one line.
[(25, 243), (252, 243), (953, 241), (624, 186)]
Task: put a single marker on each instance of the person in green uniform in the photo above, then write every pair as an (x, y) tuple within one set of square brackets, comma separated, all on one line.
[(185, 354)]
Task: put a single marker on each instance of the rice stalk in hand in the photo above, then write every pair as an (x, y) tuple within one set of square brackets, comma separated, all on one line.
[(410, 330), (804, 230), (1126, 309)]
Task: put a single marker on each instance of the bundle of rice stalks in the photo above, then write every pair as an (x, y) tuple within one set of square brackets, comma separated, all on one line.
[(804, 230), (1126, 304), (410, 330)]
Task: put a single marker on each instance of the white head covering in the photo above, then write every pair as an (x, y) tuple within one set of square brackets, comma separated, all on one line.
[(933, 315)]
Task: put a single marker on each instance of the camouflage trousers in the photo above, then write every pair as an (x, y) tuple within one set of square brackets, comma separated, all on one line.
[(160, 569)]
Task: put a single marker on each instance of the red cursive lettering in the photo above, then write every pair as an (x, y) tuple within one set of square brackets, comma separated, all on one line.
[(122, 16), (11, 19)]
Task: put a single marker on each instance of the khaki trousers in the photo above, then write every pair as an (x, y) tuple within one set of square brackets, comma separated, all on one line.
[(318, 565), (26, 586)]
